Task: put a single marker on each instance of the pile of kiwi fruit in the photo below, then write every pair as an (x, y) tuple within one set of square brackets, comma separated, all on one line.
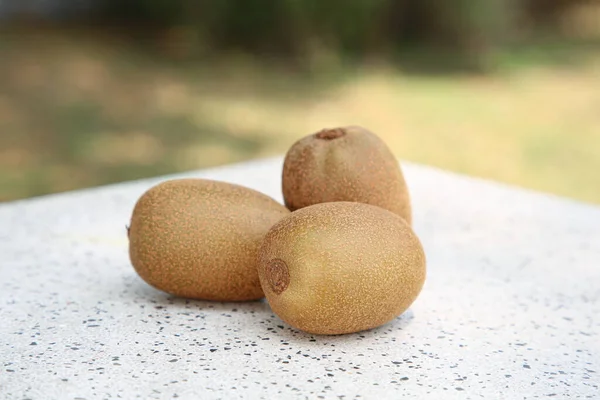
[(339, 256)]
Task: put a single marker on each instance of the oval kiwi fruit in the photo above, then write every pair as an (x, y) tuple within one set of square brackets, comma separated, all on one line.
[(344, 164), (199, 238), (341, 267)]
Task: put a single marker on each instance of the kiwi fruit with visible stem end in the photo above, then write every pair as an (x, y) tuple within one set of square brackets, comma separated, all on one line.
[(341, 267), (199, 238), (344, 164)]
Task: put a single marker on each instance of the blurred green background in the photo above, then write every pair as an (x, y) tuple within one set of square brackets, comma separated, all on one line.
[(100, 91)]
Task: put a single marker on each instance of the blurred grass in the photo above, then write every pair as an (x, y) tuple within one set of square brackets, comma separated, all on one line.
[(80, 110)]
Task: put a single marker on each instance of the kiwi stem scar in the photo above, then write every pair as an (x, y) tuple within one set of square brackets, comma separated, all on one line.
[(278, 275), (330, 134)]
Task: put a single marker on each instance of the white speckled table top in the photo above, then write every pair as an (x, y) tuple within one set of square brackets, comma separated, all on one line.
[(510, 308)]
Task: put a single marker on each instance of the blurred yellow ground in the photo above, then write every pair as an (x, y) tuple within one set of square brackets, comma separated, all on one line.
[(77, 112)]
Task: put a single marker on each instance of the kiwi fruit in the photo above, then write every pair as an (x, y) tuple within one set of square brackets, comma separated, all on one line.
[(347, 163), (341, 267), (199, 238)]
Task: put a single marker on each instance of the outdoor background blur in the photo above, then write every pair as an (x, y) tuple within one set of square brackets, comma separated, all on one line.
[(100, 91)]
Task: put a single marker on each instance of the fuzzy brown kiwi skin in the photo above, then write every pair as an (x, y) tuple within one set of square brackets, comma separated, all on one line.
[(199, 239), (341, 267), (348, 163)]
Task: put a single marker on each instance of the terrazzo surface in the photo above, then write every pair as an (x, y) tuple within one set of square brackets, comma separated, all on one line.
[(510, 308)]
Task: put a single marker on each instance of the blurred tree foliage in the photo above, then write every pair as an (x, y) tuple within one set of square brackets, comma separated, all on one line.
[(293, 28)]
